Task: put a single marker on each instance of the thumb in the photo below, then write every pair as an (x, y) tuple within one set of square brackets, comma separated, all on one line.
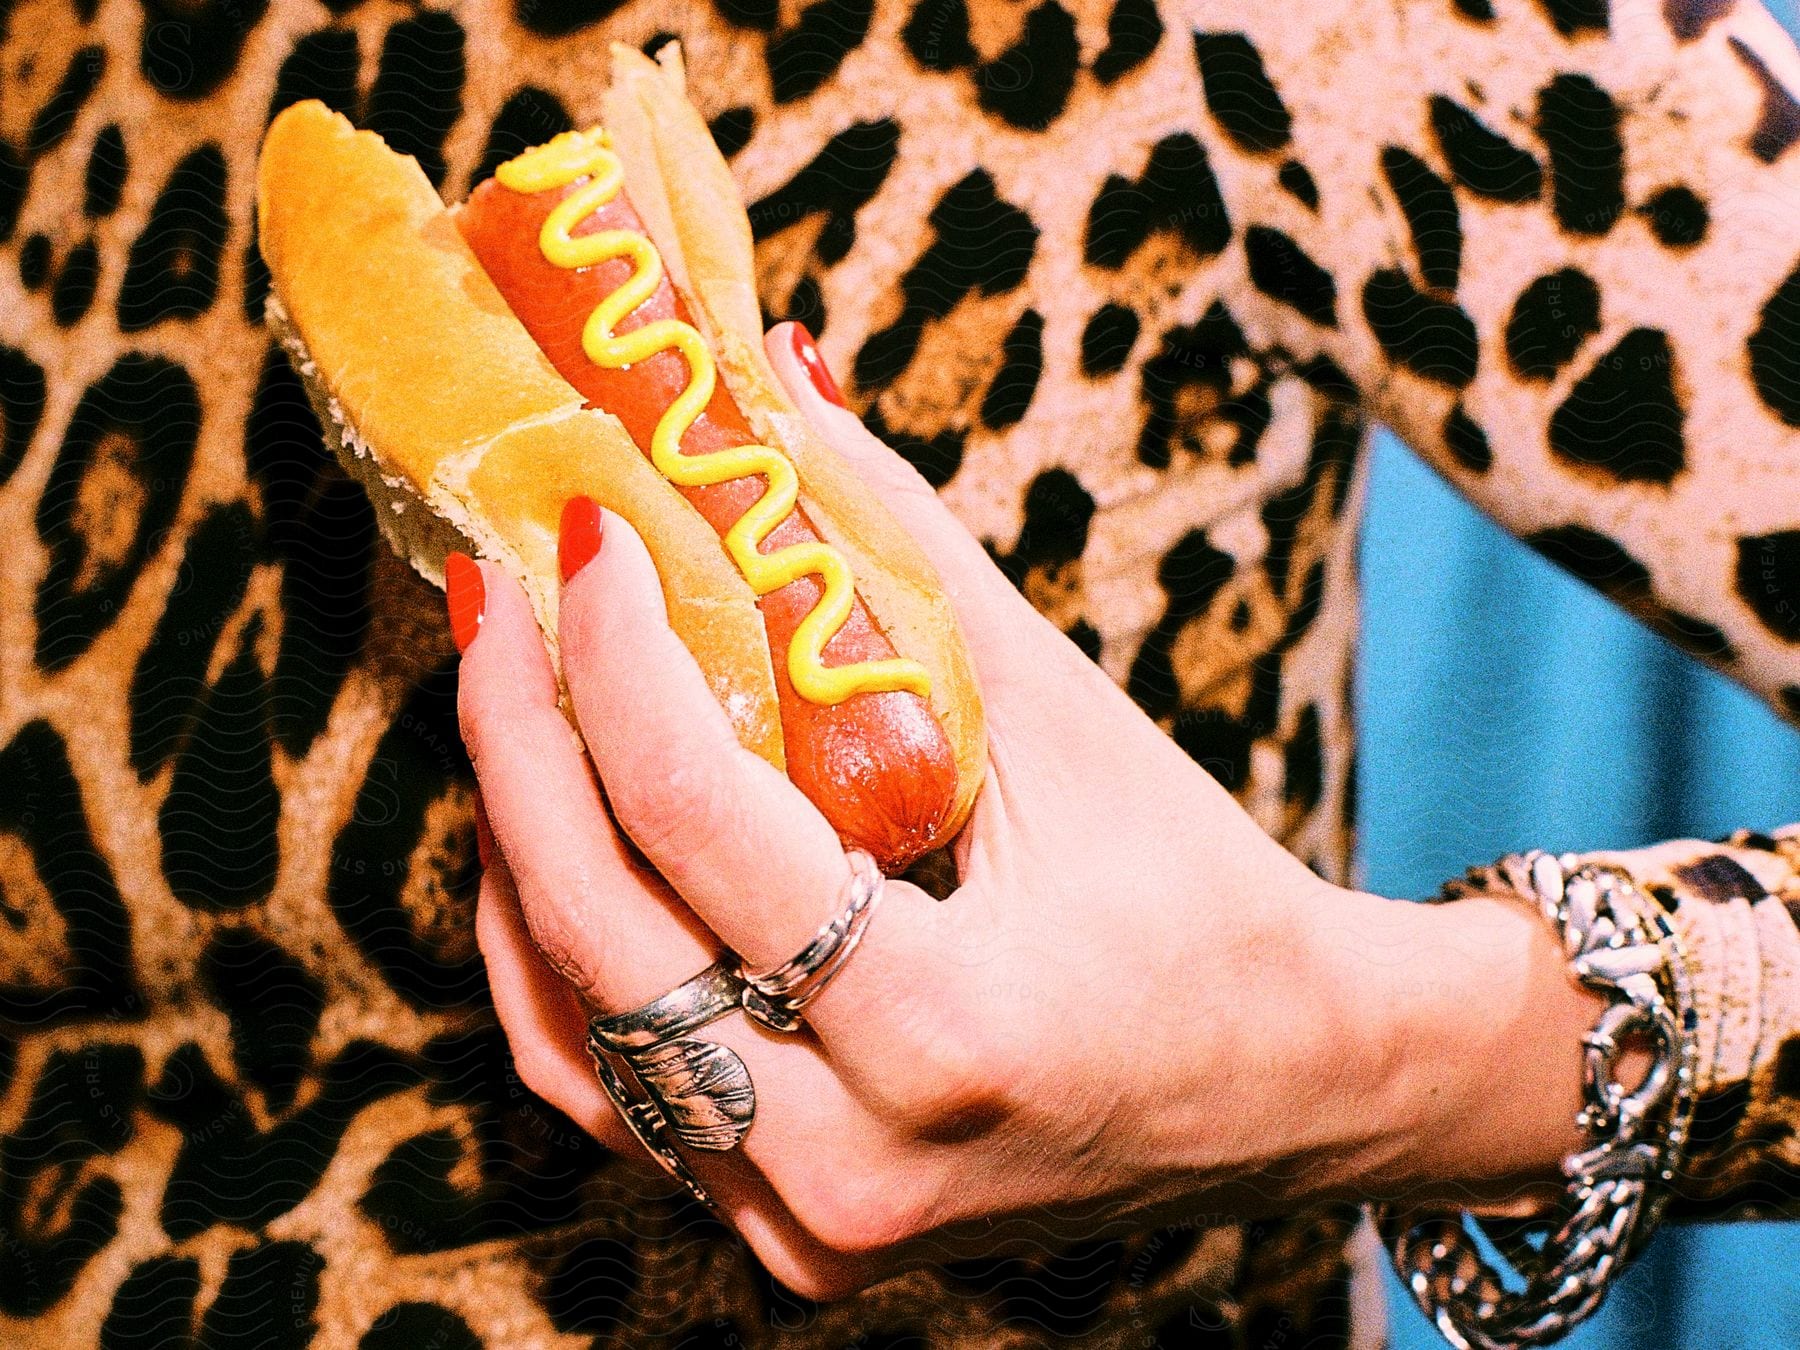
[(993, 615)]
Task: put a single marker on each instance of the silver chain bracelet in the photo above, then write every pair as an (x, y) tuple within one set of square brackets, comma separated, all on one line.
[(1618, 942)]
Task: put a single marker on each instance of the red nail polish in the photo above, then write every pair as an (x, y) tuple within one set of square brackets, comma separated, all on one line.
[(815, 366), (484, 835), (466, 598), (579, 539)]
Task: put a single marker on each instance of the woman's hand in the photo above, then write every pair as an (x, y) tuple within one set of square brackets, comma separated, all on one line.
[(1134, 1001)]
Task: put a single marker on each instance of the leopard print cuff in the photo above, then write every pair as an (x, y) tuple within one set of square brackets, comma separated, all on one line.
[(1736, 905)]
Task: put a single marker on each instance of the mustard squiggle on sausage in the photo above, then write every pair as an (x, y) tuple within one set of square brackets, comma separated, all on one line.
[(575, 155)]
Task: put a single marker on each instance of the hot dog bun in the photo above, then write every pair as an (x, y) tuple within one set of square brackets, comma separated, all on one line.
[(438, 400)]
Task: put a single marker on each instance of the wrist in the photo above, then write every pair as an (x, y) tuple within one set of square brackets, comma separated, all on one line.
[(1474, 1068)]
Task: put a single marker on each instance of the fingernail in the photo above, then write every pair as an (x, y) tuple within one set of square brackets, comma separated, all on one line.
[(580, 536), (466, 598), (808, 353), (484, 835)]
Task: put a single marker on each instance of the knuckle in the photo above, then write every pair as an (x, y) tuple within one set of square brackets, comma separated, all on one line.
[(684, 800), (817, 1281), (961, 1080), (855, 1211)]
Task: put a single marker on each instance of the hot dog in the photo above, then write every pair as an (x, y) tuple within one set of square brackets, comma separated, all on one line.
[(445, 351)]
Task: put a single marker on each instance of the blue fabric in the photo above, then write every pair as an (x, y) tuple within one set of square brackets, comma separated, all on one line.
[(1503, 706)]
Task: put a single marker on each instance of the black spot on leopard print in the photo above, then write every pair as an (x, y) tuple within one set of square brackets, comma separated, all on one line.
[(592, 1287), (1721, 879), (1058, 514), (172, 271), (42, 810), (407, 1326), (530, 117), (54, 1215), (322, 65), (1132, 34), (1718, 1115), (107, 167), (1433, 338), (1108, 338), (983, 245), (559, 18), (325, 601), (535, 1161), (15, 179), (1196, 358), (1768, 580), (1688, 19), (1775, 351), (1198, 1325), (1466, 441), (1239, 93), (1482, 11), (1579, 124), (1623, 417), (154, 1306), (1297, 181), (937, 35), (56, 119), (35, 259), (1281, 270), (1786, 1077), (1218, 743), (415, 764), (1676, 216), (1550, 320), (1431, 216), (1304, 758), (1578, 16), (1177, 193), (218, 820), (1028, 84), (267, 1300), (273, 1004), (167, 686), (228, 1171), (413, 1198), (1603, 564), (1191, 574), (731, 130), (76, 282), (417, 95), (1779, 125), (22, 391), (848, 170), (111, 495), (762, 16), (189, 47), (1009, 394), (1481, 159), (808, 54)]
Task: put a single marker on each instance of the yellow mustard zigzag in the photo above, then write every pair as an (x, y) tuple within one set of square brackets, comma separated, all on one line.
[(589, 155)]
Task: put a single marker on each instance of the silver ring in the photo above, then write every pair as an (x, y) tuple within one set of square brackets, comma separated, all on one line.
[(777, 997), (687, 1090)]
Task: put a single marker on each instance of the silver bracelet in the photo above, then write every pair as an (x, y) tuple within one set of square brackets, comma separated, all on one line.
[(1619, 942)]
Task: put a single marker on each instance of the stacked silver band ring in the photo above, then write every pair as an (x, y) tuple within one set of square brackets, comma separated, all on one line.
[(671, 1086)]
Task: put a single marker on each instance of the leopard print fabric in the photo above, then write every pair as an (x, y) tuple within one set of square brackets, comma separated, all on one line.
[(1127, 280)]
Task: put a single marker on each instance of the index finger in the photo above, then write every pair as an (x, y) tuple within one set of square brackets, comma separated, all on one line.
[(993, 616)]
